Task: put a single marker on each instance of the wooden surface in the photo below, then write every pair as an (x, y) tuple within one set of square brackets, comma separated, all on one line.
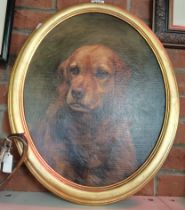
[(38, 200)]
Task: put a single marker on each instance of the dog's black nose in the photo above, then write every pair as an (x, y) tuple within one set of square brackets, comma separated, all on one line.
[(77, 93)]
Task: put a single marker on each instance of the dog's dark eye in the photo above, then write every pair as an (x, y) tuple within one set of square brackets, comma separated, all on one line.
[(101, 74), (74, 70)]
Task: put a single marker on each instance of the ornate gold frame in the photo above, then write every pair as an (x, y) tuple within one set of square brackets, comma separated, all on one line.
[(118, 191)]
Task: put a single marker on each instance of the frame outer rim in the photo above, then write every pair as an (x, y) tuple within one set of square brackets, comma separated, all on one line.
[(16, 108)]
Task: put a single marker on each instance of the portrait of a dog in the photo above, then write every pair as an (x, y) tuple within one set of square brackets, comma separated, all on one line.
[(85, 127)]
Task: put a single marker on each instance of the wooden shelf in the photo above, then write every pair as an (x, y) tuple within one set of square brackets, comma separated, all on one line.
[(10, 200)]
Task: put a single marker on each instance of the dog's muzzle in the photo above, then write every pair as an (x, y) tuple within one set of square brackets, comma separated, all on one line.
[(77, 94)]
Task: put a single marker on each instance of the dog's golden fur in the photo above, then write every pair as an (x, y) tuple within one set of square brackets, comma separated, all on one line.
[(85, 137)]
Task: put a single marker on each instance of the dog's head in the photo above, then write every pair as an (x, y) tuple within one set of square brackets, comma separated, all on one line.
[(91, 74)]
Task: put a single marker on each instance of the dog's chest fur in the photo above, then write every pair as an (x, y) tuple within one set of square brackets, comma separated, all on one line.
[(91, 149), (89, 144), (84, 137)]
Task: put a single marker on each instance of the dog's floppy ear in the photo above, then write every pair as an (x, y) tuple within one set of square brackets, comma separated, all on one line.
[(122, 78), (122, 71), (62, 70), (63, 79), (122, 75), (62, 89)]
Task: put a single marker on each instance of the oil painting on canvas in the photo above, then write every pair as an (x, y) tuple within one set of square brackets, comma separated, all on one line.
[(94, 100)]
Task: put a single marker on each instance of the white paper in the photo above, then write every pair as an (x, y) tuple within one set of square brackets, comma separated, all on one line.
[(179, 13), (7, 163), (3, 6)]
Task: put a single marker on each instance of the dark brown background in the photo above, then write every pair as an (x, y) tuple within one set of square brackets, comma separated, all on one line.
[(28, 14)]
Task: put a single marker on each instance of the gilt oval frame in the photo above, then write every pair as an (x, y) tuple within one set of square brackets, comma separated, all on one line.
[(61, 187)]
